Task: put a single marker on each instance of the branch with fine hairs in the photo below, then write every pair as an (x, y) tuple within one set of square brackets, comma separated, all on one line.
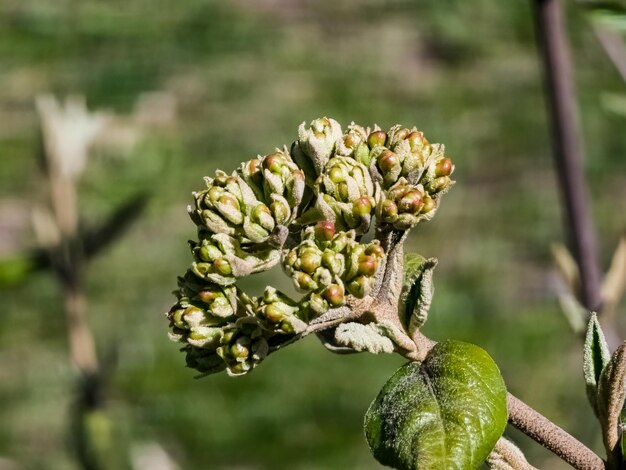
[(545, 432)]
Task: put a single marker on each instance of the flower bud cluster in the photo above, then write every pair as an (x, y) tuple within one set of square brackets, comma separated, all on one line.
[(413, 173), (345, 195), (253, 202), (246, 218), (225, 329), (329, 266)]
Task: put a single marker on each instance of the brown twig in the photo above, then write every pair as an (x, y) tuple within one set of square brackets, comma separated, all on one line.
[(567, 146)]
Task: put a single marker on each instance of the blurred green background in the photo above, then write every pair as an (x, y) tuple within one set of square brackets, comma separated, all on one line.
[(237, 78)]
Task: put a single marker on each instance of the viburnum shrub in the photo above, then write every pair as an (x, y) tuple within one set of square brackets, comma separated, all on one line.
[(309, 207)]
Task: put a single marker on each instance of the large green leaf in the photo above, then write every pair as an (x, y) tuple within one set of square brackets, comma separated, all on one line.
[(447, 412)]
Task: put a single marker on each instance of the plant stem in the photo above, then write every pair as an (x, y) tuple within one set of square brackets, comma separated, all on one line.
[(567, 147), (545, 432)]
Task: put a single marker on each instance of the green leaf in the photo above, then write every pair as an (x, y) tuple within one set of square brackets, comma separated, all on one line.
[(447, 412), (611, 396), (613, 18), (595, 357), (417, 292)]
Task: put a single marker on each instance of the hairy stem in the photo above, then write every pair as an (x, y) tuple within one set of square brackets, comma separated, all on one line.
[(545, 432)]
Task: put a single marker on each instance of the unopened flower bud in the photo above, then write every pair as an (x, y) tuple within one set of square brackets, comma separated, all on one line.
[(222, 266), (274, 163), (444, 167), (310, 261), (377, 138), (367, 265), (389, 211), (375, 249), (324, 230), (411, 202), (334, 295), (388, 161), (240, 350), (359, 287), (429, 204), (418, 143), (402, 134), (273, 313), (362, 206), (317, 303), (336, 174), (304, 282)]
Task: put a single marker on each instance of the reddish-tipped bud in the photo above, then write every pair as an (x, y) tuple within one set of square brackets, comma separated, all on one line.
[(273, 162), (387, 161), (362, 206), (375, 250), (397, 192), (411, 202), (389, 209), (367, 265), (208, 296), (222, 266), (444, 167), (377, 138), (334, 295), (325, 230)]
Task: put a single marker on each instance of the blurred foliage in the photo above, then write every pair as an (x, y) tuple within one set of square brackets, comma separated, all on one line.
[(244, 74)]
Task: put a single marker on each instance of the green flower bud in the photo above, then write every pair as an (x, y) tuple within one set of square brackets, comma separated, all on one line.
[(334, 295), (389, 211), (377, 138), (333, 261), (318, 304), (429, 204), (222, 266), (367, 265), (344, 182), (418, 143), (324, 230), (304, 282), (444, 167), (315, 145), (310, 261), (274, 163), (362, 206), (359, 287), (273, 313)]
